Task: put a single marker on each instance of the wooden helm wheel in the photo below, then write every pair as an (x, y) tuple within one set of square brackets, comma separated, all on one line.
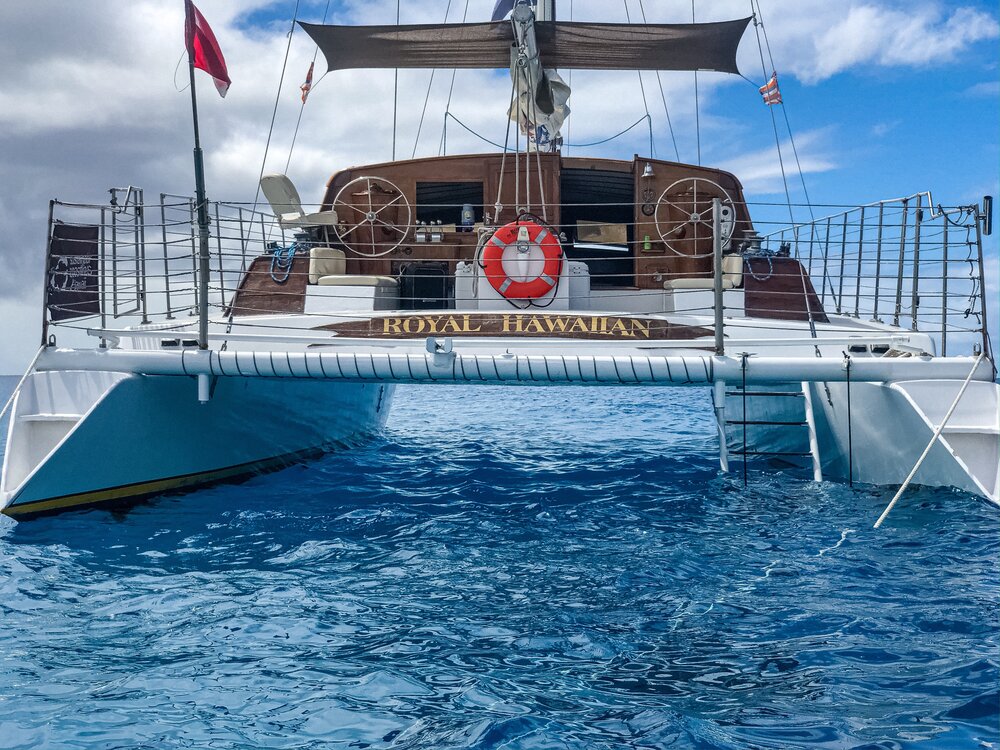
[(371, 228), (684, 215)]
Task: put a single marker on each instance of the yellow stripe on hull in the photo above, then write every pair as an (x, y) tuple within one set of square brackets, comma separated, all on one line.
[(154, 487)]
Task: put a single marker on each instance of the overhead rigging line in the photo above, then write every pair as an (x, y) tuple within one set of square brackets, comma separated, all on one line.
[(642, 88), (451, 90), (427, 96), (569, 83), (395, 91), (697, 107), (277, 98), (659, 81), (774, 121), (298, 121), (784, 112)]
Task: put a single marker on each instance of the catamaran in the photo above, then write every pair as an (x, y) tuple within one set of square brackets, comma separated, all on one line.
[(187, 341)]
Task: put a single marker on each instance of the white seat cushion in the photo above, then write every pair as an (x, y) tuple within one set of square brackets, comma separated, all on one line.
[(342, 280), (732, 276), (699, 283), (325, 261)]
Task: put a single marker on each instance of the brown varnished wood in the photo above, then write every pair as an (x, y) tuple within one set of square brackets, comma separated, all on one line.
[(259, 294), (785, 293), (521, 325), (661, 263)]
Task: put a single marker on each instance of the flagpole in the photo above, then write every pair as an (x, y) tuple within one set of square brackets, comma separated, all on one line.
[(202, 204)]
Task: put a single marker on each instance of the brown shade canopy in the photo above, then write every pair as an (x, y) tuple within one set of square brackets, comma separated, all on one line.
[(587, 46)]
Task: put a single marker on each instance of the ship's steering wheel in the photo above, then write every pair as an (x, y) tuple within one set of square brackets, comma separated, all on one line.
[(378, 195), (684, 215)]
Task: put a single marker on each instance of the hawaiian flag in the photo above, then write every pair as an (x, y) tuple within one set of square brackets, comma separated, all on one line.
[(307, 86), (770, 91), (203, 49)]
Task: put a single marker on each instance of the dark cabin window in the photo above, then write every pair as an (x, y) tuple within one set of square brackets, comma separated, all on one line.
[(597, 216), (443, 201)]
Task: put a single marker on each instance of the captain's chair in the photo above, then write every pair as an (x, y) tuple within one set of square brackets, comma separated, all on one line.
[(287, 206)]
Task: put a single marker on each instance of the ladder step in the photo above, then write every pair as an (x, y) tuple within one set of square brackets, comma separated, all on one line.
[(771, 453), (767, 423), (787, 394)]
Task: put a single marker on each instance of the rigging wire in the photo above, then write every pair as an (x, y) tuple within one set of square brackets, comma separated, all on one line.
[(601, 142), (663, 97), (774, 121), (298, 121), (395, 93), (277, 99), (569, 120), (427, 96), (442, 144), (642, 89), (697, 107), (784, 112)]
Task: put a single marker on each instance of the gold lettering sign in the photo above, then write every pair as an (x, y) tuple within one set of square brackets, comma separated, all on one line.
[(548, 325)]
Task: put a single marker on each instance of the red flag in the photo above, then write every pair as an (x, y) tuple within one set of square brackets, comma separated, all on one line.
[(203, 49), (307, 86), (770, 91)]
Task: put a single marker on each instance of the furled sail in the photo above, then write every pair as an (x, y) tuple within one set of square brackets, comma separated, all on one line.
[(581, 46)]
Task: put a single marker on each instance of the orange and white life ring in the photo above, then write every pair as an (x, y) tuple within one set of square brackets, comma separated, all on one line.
[(522, 236)]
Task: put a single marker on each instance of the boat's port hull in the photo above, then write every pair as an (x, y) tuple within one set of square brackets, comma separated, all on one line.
[(147, 435)]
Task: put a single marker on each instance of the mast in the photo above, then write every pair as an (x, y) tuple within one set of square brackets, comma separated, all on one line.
[(546, 10)]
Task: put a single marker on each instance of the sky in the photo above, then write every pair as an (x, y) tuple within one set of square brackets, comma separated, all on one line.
[(884, 98)]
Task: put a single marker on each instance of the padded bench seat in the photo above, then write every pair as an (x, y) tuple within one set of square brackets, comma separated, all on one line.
[(345, 280), (732, 276)]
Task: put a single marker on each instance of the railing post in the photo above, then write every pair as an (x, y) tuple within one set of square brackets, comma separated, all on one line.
[(720, 346), (878, 261), (918, 218), (826, 270), (166, 255), (140, 238), (218, 248), (982, 287), (102, 265), (861, 247), (944, 285), (194, 255), (45, 279), (843, 259), (902, 257), (114, 263)]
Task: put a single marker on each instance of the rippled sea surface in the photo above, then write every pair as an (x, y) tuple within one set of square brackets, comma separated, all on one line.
[(508, 568)]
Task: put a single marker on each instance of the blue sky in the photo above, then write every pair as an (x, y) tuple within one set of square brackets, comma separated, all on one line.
[(886, 98)]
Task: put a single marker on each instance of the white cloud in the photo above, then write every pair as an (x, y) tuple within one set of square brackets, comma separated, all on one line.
[(88, 100), (984, 89), (760, 171)]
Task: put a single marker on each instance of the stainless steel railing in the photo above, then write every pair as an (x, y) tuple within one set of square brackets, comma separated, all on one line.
[(905, 262)]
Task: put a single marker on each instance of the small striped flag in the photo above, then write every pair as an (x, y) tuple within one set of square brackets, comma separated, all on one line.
[(770, 91)]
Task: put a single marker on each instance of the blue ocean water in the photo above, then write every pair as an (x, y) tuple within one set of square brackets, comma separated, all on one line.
[(508, 568)]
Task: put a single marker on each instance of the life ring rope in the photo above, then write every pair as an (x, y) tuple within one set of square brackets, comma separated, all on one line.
[(537, 235)]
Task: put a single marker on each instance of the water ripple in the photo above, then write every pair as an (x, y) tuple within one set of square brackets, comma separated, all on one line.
[(567, 570)]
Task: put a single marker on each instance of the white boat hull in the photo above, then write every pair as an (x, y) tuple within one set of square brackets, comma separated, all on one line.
[(86, 438)]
